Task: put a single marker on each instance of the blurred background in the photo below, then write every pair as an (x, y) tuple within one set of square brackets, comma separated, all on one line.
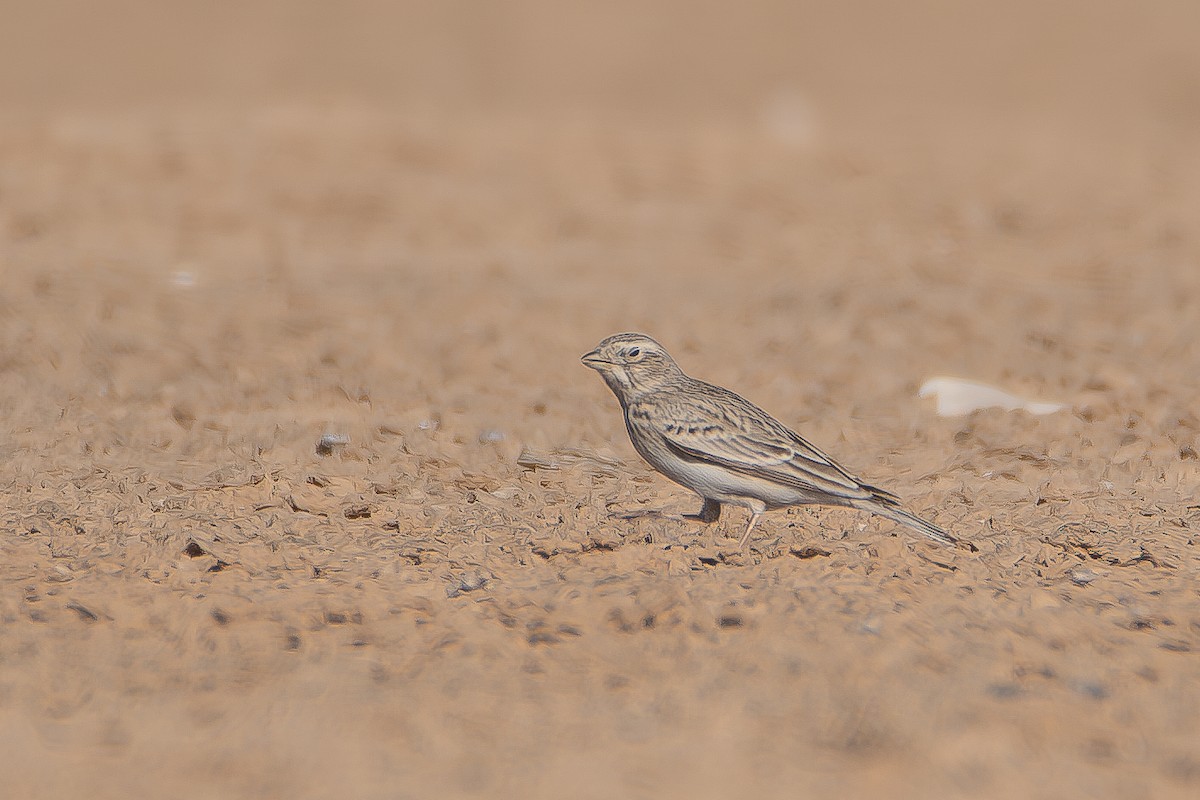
[(230, 229), (993, 162), (860, 62)]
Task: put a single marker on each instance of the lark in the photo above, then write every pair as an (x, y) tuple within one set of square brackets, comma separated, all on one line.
[(723, 447)]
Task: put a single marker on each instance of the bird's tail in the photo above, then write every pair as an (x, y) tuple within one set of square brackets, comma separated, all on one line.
[(887, 507)]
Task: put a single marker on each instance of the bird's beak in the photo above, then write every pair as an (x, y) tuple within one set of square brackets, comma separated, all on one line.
[(594, 360)]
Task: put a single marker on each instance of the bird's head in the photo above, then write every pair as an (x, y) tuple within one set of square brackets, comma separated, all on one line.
[(632, 363)]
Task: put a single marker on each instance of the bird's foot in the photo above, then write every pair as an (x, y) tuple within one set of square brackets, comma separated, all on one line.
[(709, 513)]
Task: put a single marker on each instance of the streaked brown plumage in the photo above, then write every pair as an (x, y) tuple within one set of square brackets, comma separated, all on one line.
[(723, 447)]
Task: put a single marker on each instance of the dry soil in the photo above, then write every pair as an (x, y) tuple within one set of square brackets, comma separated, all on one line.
[(398, 226)]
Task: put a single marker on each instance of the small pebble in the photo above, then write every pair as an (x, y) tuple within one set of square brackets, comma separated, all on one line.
[(1096, 691), (1082, 577), (469, 581), (331, 442)]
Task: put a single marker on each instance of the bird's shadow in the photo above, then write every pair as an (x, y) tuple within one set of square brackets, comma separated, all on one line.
[(653, 513), (702, 533)]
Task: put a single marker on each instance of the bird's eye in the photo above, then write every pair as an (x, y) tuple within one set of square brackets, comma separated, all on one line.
[(633, 352)]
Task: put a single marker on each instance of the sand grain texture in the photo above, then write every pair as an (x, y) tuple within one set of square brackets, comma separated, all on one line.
[(480, 590)]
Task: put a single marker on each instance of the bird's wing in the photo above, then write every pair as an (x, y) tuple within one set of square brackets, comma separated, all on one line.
[(720, 427)]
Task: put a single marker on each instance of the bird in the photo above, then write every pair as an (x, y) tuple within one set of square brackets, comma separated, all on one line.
[(723, 447)]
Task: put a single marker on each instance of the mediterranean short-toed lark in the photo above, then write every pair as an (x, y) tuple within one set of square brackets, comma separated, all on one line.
[(723, 447)]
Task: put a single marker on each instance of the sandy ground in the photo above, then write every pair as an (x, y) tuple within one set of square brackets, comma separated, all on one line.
[(485, 592)]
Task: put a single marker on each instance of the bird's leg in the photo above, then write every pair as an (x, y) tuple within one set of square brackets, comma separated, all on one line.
[(710, 512), (754, 515)]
